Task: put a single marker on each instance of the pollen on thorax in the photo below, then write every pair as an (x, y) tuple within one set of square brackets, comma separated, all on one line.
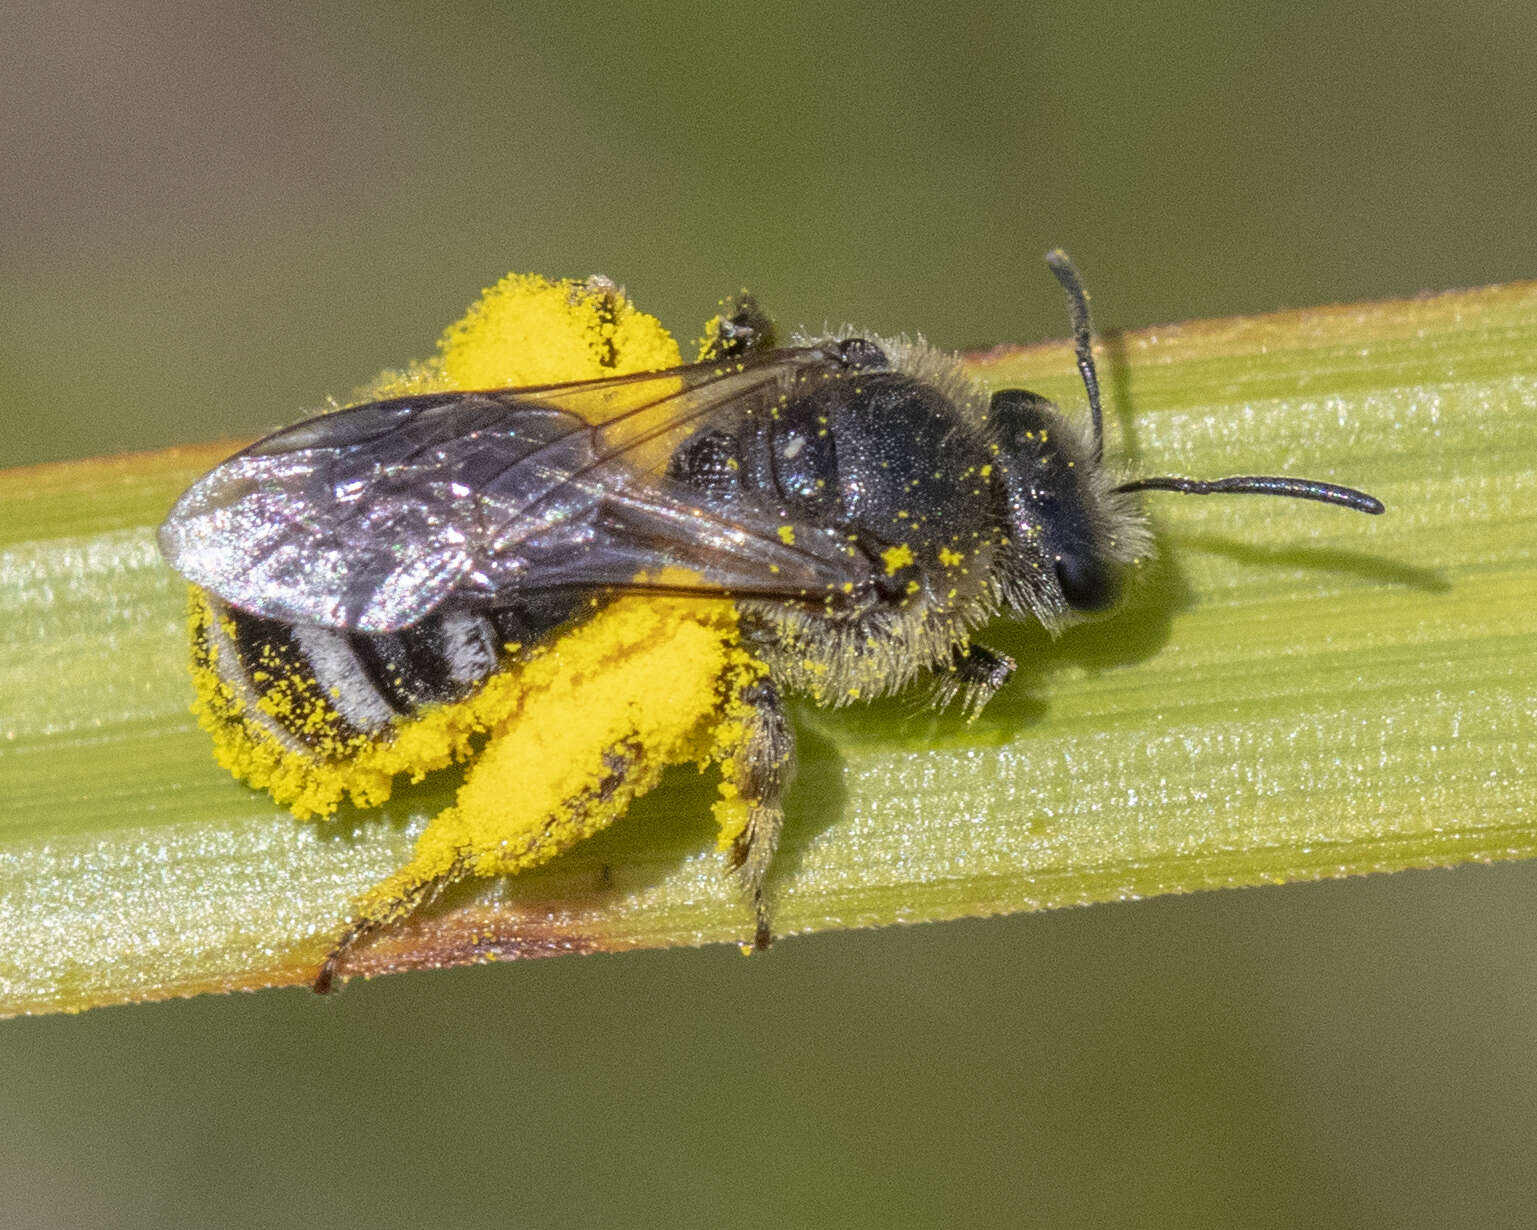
[(896, 558)]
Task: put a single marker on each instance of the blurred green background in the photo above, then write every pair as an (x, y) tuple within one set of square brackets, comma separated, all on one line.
[(217, 217)]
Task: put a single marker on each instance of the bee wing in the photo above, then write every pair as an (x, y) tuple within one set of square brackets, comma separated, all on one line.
[(369, 518)]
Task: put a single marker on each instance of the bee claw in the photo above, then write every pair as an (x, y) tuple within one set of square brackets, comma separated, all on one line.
[(325, 978)]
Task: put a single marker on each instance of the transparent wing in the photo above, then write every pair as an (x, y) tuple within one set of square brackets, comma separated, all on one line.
[(369, 518)]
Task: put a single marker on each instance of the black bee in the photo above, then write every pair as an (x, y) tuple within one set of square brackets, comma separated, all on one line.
[(862, 503)]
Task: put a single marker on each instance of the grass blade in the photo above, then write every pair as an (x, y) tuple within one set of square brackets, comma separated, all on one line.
[(1292, 692)]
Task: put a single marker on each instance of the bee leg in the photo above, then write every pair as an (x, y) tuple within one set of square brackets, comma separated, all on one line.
[(741, 329), (759, 770), (974, 675), (409, 890), (482, 835)]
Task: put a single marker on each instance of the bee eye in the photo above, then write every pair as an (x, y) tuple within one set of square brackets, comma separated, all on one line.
[(1089, 584)]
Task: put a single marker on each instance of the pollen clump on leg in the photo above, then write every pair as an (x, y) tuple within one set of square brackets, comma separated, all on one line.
[(530, 330), (584, 730)]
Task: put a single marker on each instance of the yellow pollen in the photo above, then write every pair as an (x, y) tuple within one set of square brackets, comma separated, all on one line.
[(896, 558)]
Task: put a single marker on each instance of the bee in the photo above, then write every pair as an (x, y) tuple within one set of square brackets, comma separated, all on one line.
[(580, 583)]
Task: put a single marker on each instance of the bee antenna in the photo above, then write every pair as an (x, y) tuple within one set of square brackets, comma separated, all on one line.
[(1066, 273), (1263, 484)]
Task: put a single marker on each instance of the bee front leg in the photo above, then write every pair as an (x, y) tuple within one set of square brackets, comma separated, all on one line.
[(756, 772), (974, 675)]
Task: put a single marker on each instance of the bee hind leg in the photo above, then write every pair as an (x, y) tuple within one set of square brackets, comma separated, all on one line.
[(487, 833), (410, 889), (756, 775)]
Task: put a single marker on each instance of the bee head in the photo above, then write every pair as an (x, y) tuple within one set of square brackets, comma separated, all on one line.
[(1069, 534)]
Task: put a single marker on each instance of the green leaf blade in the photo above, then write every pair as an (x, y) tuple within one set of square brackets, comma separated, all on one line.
[(1292, 692)]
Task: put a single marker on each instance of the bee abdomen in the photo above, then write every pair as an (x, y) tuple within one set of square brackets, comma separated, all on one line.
[(438, 660), (315, 715), (325, 690), (328, 692)]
